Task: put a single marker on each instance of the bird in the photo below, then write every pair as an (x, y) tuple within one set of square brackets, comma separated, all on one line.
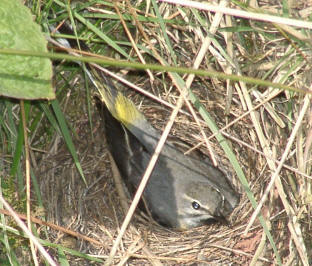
[(183, 191)]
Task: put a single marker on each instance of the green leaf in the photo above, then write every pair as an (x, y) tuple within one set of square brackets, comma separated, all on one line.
[(23, 77)]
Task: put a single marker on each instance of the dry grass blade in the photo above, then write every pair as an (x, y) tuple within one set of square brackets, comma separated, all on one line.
[(27, 167), (27, 232), (144, 181), (243, 14), (275, 179)]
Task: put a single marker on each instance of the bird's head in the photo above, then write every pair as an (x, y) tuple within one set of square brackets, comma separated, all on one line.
[(198, 203)]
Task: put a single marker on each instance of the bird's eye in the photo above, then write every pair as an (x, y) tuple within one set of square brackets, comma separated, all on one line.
[(195, 205)]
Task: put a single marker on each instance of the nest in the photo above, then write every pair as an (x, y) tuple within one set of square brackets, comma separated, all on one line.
[(94, 210)]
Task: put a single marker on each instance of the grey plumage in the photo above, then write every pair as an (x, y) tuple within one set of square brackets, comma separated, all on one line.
[(177, 183)]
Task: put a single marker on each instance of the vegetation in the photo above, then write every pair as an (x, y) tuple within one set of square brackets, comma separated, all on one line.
[(251, 100)]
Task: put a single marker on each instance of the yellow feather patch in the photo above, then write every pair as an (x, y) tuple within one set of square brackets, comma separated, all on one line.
[(126, 111)]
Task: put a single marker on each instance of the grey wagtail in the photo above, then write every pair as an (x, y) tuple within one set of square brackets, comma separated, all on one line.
[(183, 192)]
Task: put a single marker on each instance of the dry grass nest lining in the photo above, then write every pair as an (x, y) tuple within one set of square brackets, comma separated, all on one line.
[(95, 211)]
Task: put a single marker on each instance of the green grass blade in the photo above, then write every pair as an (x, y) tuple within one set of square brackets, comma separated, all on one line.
[(68, 140)]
